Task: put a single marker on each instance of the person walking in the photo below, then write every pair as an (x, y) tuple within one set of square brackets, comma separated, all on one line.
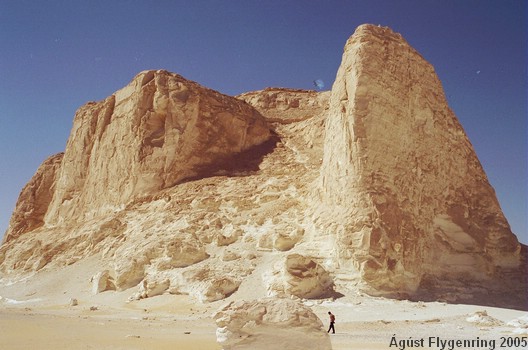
[(332, 321)]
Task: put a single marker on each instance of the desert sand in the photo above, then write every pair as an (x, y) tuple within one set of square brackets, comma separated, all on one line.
[(36, 313)]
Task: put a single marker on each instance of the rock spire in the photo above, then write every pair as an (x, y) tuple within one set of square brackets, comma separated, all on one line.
[(408, 199)]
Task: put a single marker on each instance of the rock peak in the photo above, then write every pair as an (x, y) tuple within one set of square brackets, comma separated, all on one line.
[(413, 200), (369, 34)]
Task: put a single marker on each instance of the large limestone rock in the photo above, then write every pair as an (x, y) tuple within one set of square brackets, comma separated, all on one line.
[(34, 199), (211, 280), (270, 324), (154, 133), (159, 131), (404, 193), (164, 252), (175, 188), (298, 276)]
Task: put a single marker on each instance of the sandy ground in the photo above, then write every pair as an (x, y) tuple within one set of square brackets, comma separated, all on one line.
[(34, 330), (35, 313), (172, 322)]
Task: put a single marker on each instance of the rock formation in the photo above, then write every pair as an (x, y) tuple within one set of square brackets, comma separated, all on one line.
[(34, 199), (101, 282), (270, 323), (298, 276), (179, 189), (287, 105), (408, 199), (156, 132)]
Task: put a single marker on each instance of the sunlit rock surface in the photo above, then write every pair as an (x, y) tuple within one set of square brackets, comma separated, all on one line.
[(270, 324), (401, 187), (373, 187)]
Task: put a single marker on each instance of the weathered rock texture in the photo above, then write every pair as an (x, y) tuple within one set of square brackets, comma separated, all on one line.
[(156, 132), (179, 189), (101, 281), (34, 199), (270, 323), (400, 177), (287, 105), (200, 236), (299, 276)]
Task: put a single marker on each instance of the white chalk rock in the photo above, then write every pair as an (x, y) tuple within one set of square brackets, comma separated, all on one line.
[(270, 323), (401, 186), (299, 276), (101, 281), (152, 287), (130, 261), (208, 283)]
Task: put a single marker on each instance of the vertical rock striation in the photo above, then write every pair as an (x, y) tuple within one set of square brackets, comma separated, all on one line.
[(400, 178), (34, 199), (154, 133)]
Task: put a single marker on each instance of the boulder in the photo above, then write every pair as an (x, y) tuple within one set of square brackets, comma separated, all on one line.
[(298, 276), (151, 287), (270, 324), (131, 260), (102, 281), (207, 284)]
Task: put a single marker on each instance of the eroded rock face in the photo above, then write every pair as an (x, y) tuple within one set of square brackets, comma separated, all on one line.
[(399, 176), (179, 189), (163, 253), (287, 105), (298, 276), (156, 132), (34, 199), (270, 323), (101, 282), (300, 114)]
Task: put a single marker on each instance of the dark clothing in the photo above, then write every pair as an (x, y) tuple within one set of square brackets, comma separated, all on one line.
[(332, 321), (331, 328)]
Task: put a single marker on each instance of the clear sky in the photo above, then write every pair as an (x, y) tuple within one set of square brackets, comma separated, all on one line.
[(57, 55)]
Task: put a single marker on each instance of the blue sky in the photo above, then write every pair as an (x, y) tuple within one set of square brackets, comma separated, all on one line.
[(57, 55)]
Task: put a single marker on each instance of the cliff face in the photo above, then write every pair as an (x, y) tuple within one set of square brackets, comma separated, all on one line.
[(34, 199), (177, 188), (412, 197), (150, 135)]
